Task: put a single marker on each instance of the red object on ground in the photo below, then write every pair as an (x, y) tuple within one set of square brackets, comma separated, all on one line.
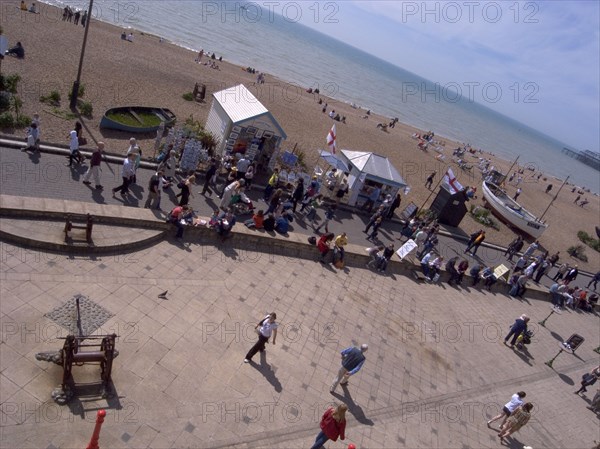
[(351, 446), (96, 435)]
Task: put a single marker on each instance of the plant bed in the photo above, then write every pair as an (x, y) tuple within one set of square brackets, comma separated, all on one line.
[(137, 119)]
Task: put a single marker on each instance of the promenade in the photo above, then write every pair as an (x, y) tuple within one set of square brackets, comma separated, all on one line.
[(436, 368)]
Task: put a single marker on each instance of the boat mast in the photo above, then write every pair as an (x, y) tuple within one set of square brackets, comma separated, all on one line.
[(555, 196), (510, 169)]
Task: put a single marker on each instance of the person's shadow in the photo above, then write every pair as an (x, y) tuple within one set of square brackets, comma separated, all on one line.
[(353, 407), (267, 371)]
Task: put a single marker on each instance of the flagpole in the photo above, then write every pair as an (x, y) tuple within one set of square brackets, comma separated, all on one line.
[(433, 190), (555, 196)]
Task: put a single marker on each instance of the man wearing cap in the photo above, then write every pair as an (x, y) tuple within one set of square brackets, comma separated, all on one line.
[(353, 359)]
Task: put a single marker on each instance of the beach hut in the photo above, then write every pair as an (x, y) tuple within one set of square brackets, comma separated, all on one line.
[(369, 171), (243, 125)]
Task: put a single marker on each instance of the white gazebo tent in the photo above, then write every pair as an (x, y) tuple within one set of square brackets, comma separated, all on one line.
[(370, 169), (243, 125)]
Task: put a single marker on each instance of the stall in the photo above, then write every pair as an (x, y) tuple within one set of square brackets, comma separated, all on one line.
[(243, 125), (370, 171)]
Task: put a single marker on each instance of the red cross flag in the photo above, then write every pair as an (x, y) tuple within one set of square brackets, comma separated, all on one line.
[(452, 183), (331, 139)]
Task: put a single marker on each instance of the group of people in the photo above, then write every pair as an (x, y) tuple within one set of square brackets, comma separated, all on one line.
[(74, 16)]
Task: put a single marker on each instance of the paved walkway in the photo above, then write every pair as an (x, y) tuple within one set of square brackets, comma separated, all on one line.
[(436, 369), (46, 176)]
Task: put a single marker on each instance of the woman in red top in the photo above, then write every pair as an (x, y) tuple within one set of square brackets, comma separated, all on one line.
[(333, 425), (323, 245)]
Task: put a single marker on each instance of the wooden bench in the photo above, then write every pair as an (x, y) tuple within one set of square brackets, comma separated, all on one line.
[(88, 226)]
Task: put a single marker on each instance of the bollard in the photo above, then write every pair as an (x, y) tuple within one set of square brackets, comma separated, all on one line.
[(96, 435)]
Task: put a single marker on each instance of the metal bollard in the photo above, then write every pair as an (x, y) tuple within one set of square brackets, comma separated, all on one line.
[(96, 435)]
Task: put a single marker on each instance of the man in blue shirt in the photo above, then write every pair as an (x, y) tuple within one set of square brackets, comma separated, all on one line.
[(353, 359)]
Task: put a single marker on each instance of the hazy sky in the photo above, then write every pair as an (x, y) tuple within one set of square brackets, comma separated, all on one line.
[(536, 62)]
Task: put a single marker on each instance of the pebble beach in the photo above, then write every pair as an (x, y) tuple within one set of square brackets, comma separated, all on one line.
[(151, 72)]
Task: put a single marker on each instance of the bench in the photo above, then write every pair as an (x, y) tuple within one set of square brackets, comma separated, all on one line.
[(70, 225)]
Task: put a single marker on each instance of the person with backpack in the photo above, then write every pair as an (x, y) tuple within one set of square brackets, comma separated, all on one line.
[(265, 328), (588, 379)]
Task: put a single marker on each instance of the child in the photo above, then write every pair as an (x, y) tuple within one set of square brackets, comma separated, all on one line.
[(214, 219), (312, 207), (257, 220), (375, 230), (329, 213)]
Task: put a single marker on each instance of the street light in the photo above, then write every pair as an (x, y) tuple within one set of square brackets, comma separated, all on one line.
[(75, 91)]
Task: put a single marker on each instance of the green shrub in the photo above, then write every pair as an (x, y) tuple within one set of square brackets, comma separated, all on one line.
[(577, 251), (188, 96), (7, 121), (23, 121), (4, 101), (589, 240), (53, 98), (9, 82), (80, 92), (86, 108), (482, 215)]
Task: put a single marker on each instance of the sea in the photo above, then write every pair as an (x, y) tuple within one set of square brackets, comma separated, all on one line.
[(252, 36)]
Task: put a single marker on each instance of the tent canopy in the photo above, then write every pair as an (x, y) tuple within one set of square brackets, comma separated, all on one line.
[(376, 166), (242, 106), (334, 161)]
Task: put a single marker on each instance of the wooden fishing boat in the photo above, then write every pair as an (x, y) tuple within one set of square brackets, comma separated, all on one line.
[(512, 212), (137, 119)]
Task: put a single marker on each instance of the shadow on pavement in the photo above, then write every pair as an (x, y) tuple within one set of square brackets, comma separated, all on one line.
[(267, 371), (355, 409), (566, 379)]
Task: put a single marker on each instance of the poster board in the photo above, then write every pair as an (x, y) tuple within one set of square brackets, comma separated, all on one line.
[(405, 249), (502, 272)]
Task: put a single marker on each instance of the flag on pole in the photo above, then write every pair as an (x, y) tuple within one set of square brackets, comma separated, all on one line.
[(331, 137), (452, 183)]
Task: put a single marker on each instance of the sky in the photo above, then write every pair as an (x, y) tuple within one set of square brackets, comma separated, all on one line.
[(536, 62)]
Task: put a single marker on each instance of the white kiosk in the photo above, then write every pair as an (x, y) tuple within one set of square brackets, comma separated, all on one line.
[(244, 126), (369, 170)]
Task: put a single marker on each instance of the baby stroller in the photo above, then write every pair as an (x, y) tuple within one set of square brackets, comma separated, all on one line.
[(524, 339)]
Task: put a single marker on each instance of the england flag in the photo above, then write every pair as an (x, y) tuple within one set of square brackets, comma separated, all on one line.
[(331, 137), (452, 183)]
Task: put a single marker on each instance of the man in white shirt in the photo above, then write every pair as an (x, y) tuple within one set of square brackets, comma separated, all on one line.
[(265, 329), (127, 173)]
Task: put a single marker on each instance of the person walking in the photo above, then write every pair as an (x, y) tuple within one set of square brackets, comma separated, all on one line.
[(265, 328), (378, 213), (561, 272), (519, 326), (74, 154), (571, 275), (395, 205), (476, 243), (429, 180), (186, 190), (517, 193), (127, 173), (298, 194), (515, 246), (94, 169), (588, 379), (515, 401), (353, 359), (333, 425), (208, 180), (516, 420), (154, 190), (329, 214), (271, 184), (531, 249)]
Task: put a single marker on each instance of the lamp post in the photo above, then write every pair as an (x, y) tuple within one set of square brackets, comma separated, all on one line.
[(75, 91)]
